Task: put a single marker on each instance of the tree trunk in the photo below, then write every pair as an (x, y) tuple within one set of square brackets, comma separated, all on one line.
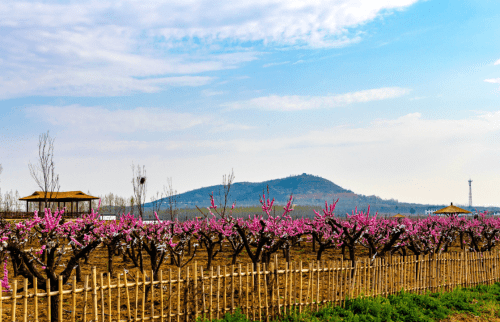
[(210, 250), (14, 265), (78, 272), (352, 258), (44, 256), (320, 252), (132, 256), (111, 252), (54, 302), (125, 258), (141, 266)]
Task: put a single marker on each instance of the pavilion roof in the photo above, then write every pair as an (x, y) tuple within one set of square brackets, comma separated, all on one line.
[(59, 196), (452, 210), (398, 216)]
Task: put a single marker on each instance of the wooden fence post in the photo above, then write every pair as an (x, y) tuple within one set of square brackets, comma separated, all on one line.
[(25, 300), (170, 295), (218, 291), (178, 294), (48, 299), (14, 301), (195, 276), (35, 291), (73, 298), (94, 292), (118, 306), (61, 302), (162, 313), (101, 289), (85, 296)]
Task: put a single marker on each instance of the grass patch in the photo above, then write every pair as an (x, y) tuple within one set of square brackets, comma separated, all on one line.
[(480, 300)]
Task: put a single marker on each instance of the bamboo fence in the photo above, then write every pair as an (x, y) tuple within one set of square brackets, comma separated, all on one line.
[(261, 293)]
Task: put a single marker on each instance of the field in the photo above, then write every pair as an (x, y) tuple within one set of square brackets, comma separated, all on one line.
[(280, 272), (317, 281)]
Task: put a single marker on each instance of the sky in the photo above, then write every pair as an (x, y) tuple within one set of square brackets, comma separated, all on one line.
[(394, 98)]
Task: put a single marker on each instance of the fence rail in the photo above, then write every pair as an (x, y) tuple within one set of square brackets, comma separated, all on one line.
[(261, 293)]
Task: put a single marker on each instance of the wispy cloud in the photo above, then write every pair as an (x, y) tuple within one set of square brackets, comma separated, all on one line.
[(275, 64), (101, 48), (297, 103), (497, 62), (493, 80), (99, 119), (208, 93), (417, 98)]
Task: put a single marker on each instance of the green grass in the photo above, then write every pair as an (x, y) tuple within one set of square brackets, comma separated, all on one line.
[(481, 300)]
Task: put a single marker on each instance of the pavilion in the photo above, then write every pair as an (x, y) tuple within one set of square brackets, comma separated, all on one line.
[(450, 210), (72, 197)]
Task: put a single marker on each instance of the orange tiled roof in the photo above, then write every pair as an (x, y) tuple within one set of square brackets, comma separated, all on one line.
[(61, 195)]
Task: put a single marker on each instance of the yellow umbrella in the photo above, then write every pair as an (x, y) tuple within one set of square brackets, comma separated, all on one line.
[(398, 216), (452, 210)]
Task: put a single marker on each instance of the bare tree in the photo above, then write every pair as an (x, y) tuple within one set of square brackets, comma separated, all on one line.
[(226, 186), (157, 201), (139, 184), (44, 172), (173, 197)]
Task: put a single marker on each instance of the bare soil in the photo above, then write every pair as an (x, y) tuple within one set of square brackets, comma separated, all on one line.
[(99, 259)]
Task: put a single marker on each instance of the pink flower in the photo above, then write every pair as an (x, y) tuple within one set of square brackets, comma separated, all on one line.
[(5, 280)]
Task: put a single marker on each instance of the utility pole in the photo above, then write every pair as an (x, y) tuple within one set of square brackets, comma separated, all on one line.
[(470, 193)]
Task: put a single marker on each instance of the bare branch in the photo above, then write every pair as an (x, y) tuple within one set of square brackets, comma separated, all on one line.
[(227, 181), (139, 184), (44, 171), (173, 197)]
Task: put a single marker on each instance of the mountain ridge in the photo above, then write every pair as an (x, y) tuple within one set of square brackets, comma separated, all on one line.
[(306, 189)]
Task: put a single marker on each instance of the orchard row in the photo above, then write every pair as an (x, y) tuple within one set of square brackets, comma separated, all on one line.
[(65, 244)]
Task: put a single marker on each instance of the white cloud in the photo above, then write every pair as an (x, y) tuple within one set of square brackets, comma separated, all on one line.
[(410, 158), (497, 62), (223, 127), (297, 103), (317, 23), (493, 80), (96, 48), (90, 83), (208, 93), (91, 122), (275, 64), (417, 98), (98, 119)]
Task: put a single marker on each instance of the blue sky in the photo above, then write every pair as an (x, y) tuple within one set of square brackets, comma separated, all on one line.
[(394, 98)]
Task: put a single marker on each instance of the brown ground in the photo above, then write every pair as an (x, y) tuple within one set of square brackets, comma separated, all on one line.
[(99, 259)]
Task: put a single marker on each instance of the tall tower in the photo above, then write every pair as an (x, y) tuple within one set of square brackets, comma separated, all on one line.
[(470, 193)]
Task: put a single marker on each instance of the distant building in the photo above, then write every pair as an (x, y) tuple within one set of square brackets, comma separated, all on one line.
[(107, 217), (430, 211)]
